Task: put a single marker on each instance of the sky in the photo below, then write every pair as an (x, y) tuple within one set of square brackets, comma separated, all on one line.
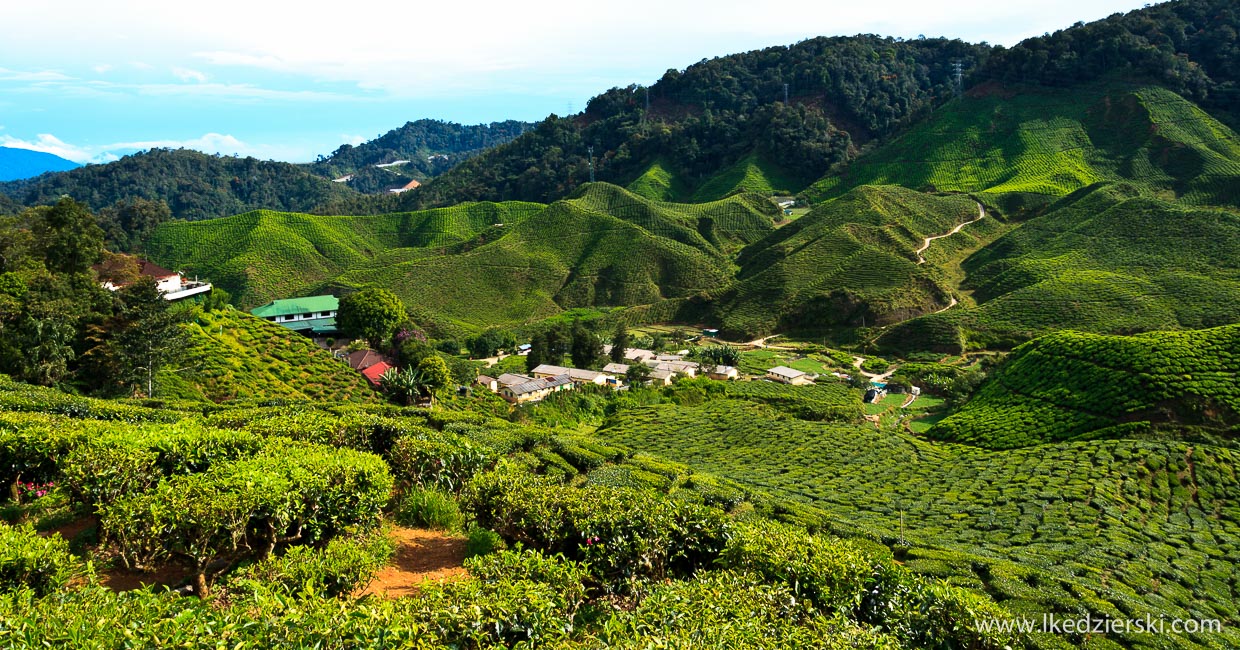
[(91, 81)]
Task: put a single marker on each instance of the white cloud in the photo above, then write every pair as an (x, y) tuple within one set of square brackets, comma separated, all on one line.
[(35, 76), (207, 143), (102, 68), (49, 143), (187, 74), (344, 138)]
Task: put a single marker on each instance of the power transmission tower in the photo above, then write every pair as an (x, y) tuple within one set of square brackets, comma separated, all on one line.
[(958, 75), (785, 94), (590, 151)]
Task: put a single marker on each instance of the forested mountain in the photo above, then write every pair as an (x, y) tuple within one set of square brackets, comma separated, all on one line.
[(430, 148), (22, 163), (194, 185), (841, 93)]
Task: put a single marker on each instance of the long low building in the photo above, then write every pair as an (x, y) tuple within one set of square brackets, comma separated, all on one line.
[(577, 375), (314, 315), (535, 389)]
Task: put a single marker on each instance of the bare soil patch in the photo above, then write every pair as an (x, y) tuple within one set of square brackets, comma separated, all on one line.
[(422, 556)]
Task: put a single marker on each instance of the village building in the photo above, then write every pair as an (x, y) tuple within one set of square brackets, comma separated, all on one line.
[(788, 375), (686, 368), (536, 389), (373, 372), (577, 375), (313, 315), (490, 383), (723, 373), (661, 377), (363, 359), (510, 379), (405, 187), (616, 369), (173, 285)]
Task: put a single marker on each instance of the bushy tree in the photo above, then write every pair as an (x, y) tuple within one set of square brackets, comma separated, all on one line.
[(69, 236), (491, 341), (587, 349), (373, 314), (619, 341)]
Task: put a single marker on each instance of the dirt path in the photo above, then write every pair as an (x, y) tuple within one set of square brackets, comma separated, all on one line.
[(756, 343), (857, 361), (981, 212), (421, 556)]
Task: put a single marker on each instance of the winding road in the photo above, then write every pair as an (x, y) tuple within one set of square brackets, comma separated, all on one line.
[(857, 361), (981, 212)]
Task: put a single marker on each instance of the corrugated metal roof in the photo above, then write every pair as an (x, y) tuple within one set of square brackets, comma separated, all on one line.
[(292, 306)]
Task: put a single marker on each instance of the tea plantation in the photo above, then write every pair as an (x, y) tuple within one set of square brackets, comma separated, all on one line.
[(1117, 528), (1076, 386), (235, 356), (274, 517)]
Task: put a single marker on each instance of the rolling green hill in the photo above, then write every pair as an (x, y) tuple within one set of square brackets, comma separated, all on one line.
[(852, 261), (1076, 386), (235, 356), (261, 256), (658, 183), (480, 264), (1108, 259), (605, 247), (1027, 146), (750, 174)]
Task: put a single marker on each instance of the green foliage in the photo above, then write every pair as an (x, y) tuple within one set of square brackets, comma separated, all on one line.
[(620, 533), (194, 185), (344, 566), (431, 459), (41, 564), (1075, 386), (429, 508), (372, 314), (306, 492), (235, 356), (482, 542)]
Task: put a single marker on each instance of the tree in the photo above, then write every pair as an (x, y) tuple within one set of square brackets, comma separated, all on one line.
[(586, 349), (490, 342), (43, 338), (638, 373), (619, 341), (373, 314), (403, 385), (134, 345), (129, 222), (435, 372), (537, 353), (69, 236)]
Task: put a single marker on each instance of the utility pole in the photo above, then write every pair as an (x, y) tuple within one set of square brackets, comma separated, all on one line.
[(590, 151), (647, 111), (958, 75), (785, 94)]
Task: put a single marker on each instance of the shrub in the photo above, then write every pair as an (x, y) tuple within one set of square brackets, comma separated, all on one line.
[(482, 542), (43, 564), (344, 566), (620, 532), (429, 508), (428, 458)]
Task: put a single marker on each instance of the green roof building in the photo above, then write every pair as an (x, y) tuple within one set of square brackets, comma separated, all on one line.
[(314, 315)]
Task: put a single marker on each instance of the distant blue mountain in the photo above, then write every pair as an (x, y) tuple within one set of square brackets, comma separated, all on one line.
[(16, 164)]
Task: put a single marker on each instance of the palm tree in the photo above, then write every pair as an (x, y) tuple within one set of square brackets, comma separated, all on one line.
[(403, 385)]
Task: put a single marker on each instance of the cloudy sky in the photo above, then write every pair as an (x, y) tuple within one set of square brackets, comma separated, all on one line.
[(90, 80)]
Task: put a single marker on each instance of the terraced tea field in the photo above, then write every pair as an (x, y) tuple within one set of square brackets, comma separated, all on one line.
[(1112, 527)]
